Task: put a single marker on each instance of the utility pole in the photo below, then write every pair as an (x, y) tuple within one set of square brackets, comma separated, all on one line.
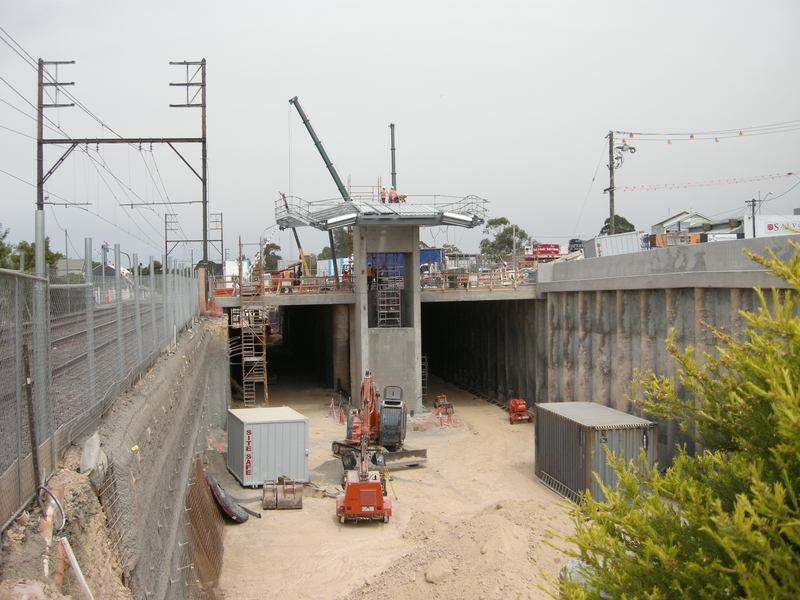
[(192, 103), (615, 160), (611, 224), (394, 173), (752, 204)]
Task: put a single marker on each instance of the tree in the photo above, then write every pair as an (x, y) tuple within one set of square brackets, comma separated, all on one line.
[(342, 241), (29, 250), (504, 233), (621, 225), (724, 523), (145, 272), (325, 253), (271, 257), (6, 251)]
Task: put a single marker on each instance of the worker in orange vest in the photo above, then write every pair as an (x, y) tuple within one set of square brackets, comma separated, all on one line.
[(383, 194), (392, 196)]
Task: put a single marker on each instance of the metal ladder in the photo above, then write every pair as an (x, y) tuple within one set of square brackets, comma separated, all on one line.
[(424, 375)]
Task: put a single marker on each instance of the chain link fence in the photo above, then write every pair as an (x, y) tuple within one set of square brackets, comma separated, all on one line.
[(68, 348)]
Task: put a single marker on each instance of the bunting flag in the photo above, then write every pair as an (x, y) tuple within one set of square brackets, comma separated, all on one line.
[(677, 186)]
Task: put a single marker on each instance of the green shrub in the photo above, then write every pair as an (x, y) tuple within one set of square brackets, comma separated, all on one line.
[(724, 523)]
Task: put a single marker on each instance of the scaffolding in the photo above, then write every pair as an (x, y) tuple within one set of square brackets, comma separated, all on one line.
[(252, 319)]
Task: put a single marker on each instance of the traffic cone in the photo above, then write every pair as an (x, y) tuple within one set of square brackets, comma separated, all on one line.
[(330, 410), (341, 416)]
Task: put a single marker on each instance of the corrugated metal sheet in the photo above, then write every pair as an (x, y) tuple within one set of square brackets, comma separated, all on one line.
[(571, 439), (267, 443)]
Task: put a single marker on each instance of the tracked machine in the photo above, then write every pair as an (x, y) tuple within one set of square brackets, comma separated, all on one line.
[(384, 427), (364, 496)]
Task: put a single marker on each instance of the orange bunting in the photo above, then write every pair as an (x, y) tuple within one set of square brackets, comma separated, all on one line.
[(691, 136)]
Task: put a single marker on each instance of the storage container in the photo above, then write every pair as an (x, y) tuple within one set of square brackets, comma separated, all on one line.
[(571, 439), (267, 443), (608, 245)]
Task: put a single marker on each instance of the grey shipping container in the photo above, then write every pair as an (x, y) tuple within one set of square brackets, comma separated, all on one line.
[(570, 443), (267, 443)]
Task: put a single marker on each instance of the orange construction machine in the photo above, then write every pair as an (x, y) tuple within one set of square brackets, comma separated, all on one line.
[(518, 410), (364, 496), (386, 432)]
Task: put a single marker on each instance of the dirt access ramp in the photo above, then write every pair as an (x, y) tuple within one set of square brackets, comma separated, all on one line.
[(469, 524)]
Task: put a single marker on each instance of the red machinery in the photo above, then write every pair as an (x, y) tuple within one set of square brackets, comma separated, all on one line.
[(518, 410), (364, 490)]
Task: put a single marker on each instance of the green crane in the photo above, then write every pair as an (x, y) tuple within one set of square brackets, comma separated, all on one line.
[(331, 169)]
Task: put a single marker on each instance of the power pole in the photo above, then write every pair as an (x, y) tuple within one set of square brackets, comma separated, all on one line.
[(191, 102), (611, 224), (394, 173), (615, 161), (752, 204)]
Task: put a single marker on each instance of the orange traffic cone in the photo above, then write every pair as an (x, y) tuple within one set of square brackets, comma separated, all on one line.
[(341, 416)]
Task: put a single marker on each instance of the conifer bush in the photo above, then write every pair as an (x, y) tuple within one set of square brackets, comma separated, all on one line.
[(725, 522)]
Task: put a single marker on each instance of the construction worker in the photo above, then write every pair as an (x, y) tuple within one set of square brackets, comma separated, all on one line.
[(392, 196), (383, 194), (402, 198), (370, 275)]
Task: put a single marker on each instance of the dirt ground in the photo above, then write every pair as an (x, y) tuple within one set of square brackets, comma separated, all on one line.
[(468, 524)]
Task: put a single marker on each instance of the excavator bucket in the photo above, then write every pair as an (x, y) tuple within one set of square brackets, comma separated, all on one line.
[(407, 457), (282, 495)]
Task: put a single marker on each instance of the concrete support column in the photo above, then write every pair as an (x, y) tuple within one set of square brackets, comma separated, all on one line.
[(341, 346)]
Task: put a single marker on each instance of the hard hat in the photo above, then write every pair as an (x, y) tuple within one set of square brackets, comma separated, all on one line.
[(383, 187), (392, 187)]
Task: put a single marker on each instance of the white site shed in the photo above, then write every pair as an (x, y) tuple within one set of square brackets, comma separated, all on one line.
[(267, 443)]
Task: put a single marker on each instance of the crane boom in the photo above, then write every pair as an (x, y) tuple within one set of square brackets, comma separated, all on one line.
[(318, 144)]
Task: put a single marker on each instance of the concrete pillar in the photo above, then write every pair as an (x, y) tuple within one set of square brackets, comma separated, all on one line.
[(341, 345)]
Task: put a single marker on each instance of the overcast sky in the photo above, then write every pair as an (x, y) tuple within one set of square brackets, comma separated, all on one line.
[(509, 101)]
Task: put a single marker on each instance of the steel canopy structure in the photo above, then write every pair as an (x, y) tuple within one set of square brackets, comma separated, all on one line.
[(326, 215)]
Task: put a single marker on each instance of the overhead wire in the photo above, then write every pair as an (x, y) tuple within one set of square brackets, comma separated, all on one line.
[(591, 185), (34, 64)]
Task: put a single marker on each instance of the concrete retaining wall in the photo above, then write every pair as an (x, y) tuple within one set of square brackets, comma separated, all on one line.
[(596, 321)]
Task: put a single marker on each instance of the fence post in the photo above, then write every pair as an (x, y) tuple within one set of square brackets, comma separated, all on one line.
[(118, 294), (89, 298), (18, 369), (165, 296), (41, 349), (138, 309), (153, 320)]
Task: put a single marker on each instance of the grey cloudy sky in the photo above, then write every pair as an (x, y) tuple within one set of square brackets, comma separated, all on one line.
[(509, 101)]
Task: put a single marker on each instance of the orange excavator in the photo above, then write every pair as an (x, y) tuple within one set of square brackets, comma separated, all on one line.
[(364, 496)]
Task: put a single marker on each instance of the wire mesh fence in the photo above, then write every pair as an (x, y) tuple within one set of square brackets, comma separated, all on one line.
[(68, 347)]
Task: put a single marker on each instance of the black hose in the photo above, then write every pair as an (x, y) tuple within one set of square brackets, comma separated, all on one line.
[(58, 504), (250, 512)]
